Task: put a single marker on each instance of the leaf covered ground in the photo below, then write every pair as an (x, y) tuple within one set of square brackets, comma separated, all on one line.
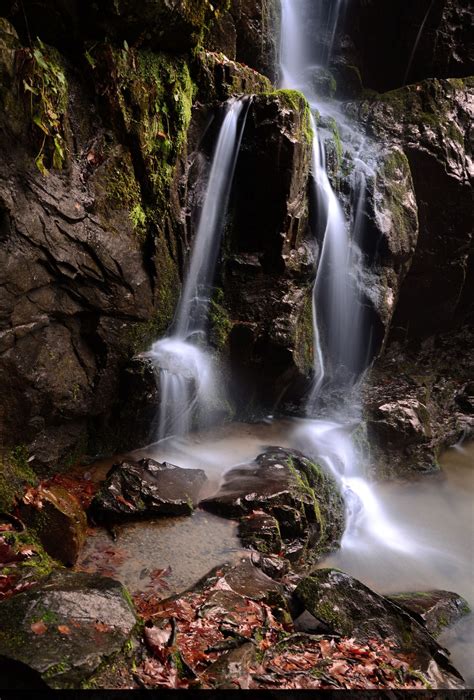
[(216, 638)]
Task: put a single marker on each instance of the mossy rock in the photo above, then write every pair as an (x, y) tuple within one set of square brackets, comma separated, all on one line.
[(15, 476), (58, 521), (292, 495), (349, 608), (62, 631)]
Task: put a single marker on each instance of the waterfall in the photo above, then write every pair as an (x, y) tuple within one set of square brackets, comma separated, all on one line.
[(340, 348), (183, 363)]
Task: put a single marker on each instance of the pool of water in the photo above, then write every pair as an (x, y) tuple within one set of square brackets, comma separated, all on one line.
[(434, 521), (409, 535)]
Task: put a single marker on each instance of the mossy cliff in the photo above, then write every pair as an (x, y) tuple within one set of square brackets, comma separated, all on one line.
[(98, 137)]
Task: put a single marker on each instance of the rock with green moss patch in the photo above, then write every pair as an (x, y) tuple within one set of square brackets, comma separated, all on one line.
[(298, 500), (349, 608), (436, 609), (62, 631), (58, 520)]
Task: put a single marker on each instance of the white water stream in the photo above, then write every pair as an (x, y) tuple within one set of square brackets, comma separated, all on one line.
[(338, 332), (184, 364)]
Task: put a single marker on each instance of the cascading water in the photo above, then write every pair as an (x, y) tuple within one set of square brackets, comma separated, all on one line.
[(183, 363), (337, 304)]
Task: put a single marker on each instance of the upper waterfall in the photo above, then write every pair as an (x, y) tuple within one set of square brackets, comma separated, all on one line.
[(183, 363)]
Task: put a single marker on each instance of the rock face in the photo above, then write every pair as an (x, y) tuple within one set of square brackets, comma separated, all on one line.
[(57, 635), (248, 32), (430, 122), (58, 521), (268, 253), (95, 235), (418, 401), (383, 41), (349, 608), (436, 609), (171, 26), (146, 489), (285, 503)]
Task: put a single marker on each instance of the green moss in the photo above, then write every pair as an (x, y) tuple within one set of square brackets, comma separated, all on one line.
[(45, 86), (220, 324), (15, 476), (297, 102), (304, 336), (397, 185), (40, 564)]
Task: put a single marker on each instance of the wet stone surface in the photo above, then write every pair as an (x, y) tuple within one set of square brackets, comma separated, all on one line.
[(164, 555), (60, 633), (349, 608), (436, 609), (146, 489), (282, 497)]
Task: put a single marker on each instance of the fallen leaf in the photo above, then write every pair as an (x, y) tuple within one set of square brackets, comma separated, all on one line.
[(38, 627), (102, 627)]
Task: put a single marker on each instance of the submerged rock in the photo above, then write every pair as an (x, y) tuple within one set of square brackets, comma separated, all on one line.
[(58, 520), (349, 608), (146, 489), (282, 497), (435, 609), (57, 635)]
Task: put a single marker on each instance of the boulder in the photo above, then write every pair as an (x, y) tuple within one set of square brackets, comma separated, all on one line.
[(146, 489), (58, 634), (349, 608), (297, 505), (58, 520), (435, 609)]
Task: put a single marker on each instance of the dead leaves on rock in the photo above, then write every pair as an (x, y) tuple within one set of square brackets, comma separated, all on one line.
[(186, 635), (10, 558)]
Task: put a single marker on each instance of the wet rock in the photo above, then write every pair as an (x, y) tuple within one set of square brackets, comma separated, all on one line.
[(61, 632), (407, 434), (58, 520), (260, 531), (232, 670), (250, 582), (435, 609), (349, 608), (406, 420), (139, 400), (296, 493), (430, 122), (220, 78), (146, 489), (269, 254), (274, 566)]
